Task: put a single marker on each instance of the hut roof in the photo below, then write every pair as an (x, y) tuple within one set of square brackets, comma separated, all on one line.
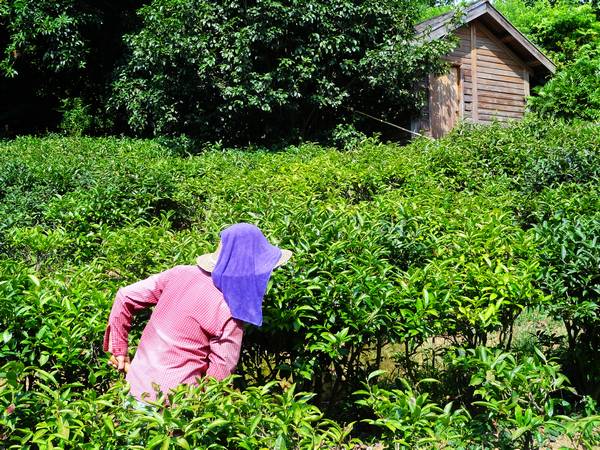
[(483, 11)]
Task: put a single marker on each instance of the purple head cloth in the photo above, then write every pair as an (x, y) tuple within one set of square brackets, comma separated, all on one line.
[(243, 269)]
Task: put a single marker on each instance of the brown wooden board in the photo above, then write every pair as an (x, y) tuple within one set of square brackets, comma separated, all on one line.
[(487, 119), (491, 112), (486, 50), (491, 89), (497, 68), (459, 53), (489, 97), (513, 65), (457, 58), (492, 44), (494, 78), (492, 100), (473, 72), (464, 42), (501, 46), (497, 54), (494, 75), (504, 95), (498, 80), (463, 31), (497, 77), (483, 90), (497, 86), (444, 102), (501, 109), (463, 46), (503, 84), (507, 72), (493, 116)]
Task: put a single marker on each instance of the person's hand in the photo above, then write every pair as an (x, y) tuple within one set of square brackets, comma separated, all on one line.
[(120, 362)]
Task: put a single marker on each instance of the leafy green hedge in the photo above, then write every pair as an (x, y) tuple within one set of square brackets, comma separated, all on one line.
[(574, 92), (396, 248), (568, 32)]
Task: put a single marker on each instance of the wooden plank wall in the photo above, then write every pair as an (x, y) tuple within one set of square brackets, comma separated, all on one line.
[(461, 56), (502, 79)]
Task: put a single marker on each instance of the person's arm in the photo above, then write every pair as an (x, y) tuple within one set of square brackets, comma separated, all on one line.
[(128, 301), (225, 350)]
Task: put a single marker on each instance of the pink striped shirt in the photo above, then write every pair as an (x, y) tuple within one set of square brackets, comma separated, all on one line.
[(190, 333)]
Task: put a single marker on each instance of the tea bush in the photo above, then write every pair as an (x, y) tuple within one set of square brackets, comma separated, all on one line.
[(571, 256), (518, 400), (503, 401), (211, 415), (399, 252)]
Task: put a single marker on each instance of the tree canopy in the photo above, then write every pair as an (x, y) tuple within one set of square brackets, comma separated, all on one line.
[(54, 51), (258, 69), (252, 71)]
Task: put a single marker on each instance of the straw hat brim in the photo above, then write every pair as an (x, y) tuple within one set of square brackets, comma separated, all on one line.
[(208, 261)]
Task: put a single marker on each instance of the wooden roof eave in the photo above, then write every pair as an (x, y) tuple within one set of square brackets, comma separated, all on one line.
[(440, 26), (444, 24), (522, 40)]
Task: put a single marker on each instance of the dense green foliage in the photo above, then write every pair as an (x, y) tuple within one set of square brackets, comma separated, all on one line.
[(54, 53), (221, 71), (560, 28), (569, 32), (574, 92), (271, 70), (408, 258), (258, 71)]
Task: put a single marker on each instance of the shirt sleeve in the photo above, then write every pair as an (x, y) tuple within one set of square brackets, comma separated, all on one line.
[(225, 350), (128, 301)]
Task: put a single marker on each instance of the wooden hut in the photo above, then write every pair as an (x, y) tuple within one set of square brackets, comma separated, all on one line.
[(491, 70)]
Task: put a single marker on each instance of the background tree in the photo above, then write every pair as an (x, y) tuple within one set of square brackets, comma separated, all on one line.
[(57, 56), (262, 71), (574, 92), (560, 28)]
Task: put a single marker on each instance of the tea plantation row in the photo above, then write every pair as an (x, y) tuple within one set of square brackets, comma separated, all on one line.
[(425, 260)]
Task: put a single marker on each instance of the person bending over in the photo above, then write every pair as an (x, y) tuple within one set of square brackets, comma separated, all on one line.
[(196, 327)]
